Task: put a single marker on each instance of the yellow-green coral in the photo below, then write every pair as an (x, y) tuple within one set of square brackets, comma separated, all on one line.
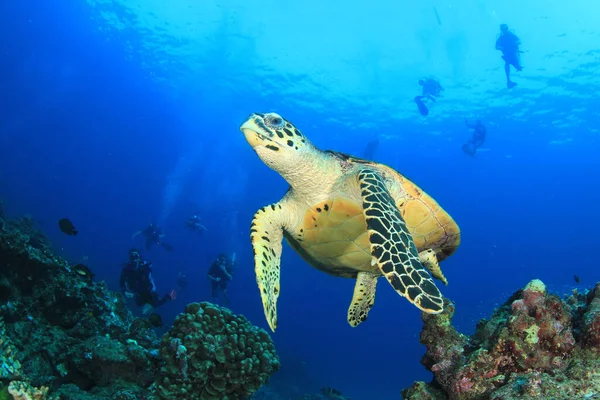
[(21, 390), (210, 353), (532, 334), (536, 286)]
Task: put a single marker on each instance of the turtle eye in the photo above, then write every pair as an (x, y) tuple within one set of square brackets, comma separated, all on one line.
[(274, 121)]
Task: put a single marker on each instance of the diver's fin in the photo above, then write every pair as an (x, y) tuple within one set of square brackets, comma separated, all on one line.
[(422, 107)]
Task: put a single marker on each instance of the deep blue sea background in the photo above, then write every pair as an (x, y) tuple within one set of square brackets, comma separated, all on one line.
[(116, 114)]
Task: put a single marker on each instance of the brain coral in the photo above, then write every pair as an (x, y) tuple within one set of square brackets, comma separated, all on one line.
[(210, 353)]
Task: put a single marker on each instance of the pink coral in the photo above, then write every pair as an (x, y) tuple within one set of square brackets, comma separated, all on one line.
[(531, 334), (441, 366), (518, 306), (532, 298), (463, 385)]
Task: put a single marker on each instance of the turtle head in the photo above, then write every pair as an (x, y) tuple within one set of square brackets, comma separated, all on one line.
[(278, 143)]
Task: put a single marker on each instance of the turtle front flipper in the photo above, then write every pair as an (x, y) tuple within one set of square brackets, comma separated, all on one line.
[(392, 247), (430, 261), (266, 235), (363, 297)]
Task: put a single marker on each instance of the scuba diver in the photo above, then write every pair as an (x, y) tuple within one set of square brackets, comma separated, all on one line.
[(431, 89), (182, 280), (508, 43), (136, 282), (370, 149), (193, 223), (220, 274), (476, 140), (153, 236)]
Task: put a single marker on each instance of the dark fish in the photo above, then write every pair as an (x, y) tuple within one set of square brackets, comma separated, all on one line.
[(83, 271), (576, 277), (67, 227), (155, 320)]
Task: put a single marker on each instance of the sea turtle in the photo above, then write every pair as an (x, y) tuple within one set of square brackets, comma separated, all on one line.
[(348, 217)]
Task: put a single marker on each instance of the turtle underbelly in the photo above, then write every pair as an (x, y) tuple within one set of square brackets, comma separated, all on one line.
[(333, 238)]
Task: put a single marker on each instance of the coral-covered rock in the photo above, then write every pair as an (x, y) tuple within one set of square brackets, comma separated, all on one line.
[(591, 320), (10, 366), (526, 350), (53, 318), (210, 353), (423, 391), (444, 344), (537, 332), (103, 361), (61, 330)]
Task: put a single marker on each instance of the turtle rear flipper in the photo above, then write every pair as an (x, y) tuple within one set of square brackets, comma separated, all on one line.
[(430, 261), (266, 235), (363, 298), (392, 247)]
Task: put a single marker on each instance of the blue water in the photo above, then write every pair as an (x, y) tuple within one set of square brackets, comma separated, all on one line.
[(116, 114)]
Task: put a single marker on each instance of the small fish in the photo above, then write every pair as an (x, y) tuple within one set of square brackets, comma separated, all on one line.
[(67, 227), (155, 320), (83, 271), (576, 277)]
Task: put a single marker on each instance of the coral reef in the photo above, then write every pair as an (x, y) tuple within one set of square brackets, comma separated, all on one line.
[(66, 330), (534, 346), (211, 353), (64, 335), (10, 367), (591, 319)]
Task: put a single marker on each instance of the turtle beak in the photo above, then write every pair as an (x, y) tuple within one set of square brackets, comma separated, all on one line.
[(251, 130)]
